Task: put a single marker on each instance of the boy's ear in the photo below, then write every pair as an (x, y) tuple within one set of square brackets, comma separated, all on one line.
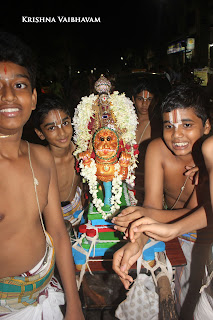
[(34, 99), (39, 134), (133, 99), (207, 127)]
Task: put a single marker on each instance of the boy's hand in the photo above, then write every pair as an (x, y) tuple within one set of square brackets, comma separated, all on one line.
[(193, 173), (153, 229), (123, 259), (126, 217)]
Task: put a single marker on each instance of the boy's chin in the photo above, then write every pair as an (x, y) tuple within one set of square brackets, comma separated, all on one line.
[(180, 152)]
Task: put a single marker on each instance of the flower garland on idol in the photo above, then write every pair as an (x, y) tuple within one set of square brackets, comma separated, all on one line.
[(125, 124)]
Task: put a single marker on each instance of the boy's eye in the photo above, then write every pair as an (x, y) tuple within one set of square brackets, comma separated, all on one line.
[(168, 126), (51, 128), (20, 85), (65, 123), (187, 125)]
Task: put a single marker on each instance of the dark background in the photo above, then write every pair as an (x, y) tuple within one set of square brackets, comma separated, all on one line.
[(126, 29)]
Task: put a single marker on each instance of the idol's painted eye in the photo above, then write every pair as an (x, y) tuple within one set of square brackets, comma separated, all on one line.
[(108, 138)]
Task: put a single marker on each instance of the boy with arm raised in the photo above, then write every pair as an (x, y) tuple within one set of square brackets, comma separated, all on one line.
[(185, 122)]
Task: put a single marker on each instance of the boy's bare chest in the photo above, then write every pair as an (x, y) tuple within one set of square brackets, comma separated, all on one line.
[(177, 184), (17, 188), (67, 179), (65, 172), (143, 131)]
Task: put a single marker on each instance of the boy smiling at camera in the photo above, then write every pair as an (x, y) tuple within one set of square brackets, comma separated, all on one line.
[(29, 194), (52, 122), (169, 186)]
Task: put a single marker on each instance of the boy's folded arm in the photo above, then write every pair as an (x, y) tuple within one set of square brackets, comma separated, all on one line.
[(165, 232), (134, 213), (164, 216)]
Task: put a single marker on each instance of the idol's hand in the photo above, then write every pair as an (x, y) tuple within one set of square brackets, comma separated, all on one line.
[(124, 159), (86, 157)]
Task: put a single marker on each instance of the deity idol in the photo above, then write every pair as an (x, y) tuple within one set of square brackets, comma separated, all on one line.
[(105, 128)]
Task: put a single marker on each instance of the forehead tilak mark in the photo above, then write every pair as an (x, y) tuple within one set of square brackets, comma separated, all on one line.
[(143, 95), (175, 118), (5, 69), (55, 123)]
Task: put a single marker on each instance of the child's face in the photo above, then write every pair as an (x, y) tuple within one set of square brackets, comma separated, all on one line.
[(182, 128), (16, 97), (57, 129), (143, 101)]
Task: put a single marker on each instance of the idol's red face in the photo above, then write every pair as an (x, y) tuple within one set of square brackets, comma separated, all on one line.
[(17, 100), (106, 144), (182, 128)]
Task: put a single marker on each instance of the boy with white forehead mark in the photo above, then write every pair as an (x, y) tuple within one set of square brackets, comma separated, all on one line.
[(167, 160), (52, 122), (175, 118), (57, 125)]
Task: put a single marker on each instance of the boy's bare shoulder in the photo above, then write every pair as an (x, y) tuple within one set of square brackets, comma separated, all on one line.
[(157, 152), (157, 145), (207, 146), (207, 150), (41, 154)]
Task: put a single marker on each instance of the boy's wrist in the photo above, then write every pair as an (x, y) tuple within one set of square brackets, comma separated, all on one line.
[(142, 240), (175, 229)]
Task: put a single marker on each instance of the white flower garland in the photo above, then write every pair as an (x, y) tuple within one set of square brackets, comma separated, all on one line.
[(124, 113), (89, 173), (81, 119), (126, 120)]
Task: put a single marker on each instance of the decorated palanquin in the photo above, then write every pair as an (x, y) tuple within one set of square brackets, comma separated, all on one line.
[(105, 136)]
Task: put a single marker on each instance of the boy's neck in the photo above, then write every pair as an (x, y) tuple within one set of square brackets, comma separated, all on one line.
[(143, 117), (10, 147), (61, 152), (186, 159)]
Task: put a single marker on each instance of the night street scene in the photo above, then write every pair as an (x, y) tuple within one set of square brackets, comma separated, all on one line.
[(116, 139)]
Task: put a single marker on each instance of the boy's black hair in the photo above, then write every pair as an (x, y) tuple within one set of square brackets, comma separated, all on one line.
[(45, 104), (148, 85), (188, 96), (12, 49)]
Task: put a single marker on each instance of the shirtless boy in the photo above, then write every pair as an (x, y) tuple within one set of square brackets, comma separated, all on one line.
[(146, 99), (185, 122), (52, 122), (166, 232), (29, 191)]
